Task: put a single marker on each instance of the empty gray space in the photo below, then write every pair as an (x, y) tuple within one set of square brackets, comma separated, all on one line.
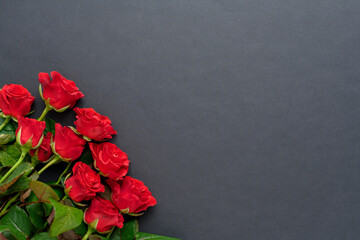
[(241, 116)]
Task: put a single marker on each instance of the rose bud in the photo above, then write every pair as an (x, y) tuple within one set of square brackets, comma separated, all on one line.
[(102, 215), (84, 184), (131, 195), (93, 125), (30, 132), (66, 144), (43, 153), (15, 100), (60, 93), (109, 160)]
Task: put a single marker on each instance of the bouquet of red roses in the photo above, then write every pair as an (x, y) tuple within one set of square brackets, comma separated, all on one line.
[(93, 197)]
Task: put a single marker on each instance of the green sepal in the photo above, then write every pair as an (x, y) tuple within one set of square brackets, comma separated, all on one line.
[(74, 130), (87, 139), (135, 214), (61, 109), (40, 91), (124, 211)]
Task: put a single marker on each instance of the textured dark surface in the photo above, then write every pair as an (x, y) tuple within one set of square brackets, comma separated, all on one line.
[(242, 117)]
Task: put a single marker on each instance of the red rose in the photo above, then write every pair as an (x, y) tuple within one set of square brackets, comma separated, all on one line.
[(102, 215), (60, 93), (30, 132), (109, 160), (43, 153), (15, 100), (131, 195), (84, 184), (93, 125), (66, 144)]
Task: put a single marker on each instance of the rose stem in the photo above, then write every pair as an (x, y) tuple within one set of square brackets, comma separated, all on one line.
[(66, 169), (56, 159), (65, 197), (6, 121), (46, 110), (24, 151), (4, 210), (88, 233)]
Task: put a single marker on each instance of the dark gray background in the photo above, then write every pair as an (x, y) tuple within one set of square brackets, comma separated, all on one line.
[(242, 116)]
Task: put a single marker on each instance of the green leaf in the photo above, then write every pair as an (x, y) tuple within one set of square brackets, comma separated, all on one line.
[(47, 208), (81, 229), (9, 236), (20, 185), (86, 157), (34, 176), (9, 155), (59, 192), (6, 138), (11, 179), (37, 215), (31, 198), (66, 218), (97, 237), (129, 230), (43, 236), (7, 134), (50, 126), (18, 222), (115, 235), (4, 228), (43, 191), (146, 236)]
